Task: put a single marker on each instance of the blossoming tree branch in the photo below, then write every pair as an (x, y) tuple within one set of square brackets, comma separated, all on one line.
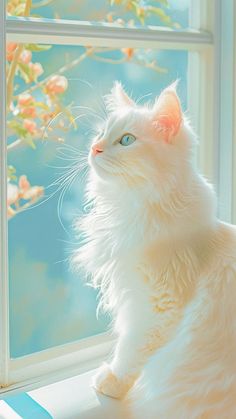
[(28, 118)]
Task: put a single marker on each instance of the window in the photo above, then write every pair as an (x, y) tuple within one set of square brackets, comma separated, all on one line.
[(48, 317)]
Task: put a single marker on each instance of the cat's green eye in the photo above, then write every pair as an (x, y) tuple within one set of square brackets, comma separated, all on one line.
[(127, 139)]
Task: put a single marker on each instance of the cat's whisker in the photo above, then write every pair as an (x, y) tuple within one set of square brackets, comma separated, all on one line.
[(68, 147), (70, 170), (89, 112), (76, 118), (102, 106), (71, 158), (64, 189), (71, 154), (50, 123), (140, 98)]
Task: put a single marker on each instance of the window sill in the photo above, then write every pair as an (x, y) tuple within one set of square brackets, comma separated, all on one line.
[(71, 399)]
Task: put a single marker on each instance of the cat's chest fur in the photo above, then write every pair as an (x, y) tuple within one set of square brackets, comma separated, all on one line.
[(128, 250), (132, 242)]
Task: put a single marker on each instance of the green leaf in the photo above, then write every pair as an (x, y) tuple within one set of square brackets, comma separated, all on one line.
[(115, 3), (21, 132), (42, 106), (37, 47), (18, 128), (166, 19), (163, 2), (176, 25), (134, 4), (11, 172), (29, 140), (36, 15), (25, 72), (19, 10)]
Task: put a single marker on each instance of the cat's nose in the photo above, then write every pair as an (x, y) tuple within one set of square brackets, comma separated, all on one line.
[(96, 149)]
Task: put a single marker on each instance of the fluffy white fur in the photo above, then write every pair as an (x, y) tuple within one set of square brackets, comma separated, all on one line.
[(165, 265)]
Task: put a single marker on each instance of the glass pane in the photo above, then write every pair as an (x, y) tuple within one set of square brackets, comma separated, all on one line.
[(170, 13), (53, 108)]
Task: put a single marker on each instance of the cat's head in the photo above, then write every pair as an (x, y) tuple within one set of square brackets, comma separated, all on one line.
[(140, 144)]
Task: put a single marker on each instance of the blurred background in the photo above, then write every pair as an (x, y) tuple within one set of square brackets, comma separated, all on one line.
[(53, 109)]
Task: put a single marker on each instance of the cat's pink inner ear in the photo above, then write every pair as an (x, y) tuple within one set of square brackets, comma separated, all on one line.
[(168, 113)]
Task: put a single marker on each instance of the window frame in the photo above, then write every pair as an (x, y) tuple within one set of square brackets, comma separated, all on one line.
[(225, 125), (4, 314), (205, 92)]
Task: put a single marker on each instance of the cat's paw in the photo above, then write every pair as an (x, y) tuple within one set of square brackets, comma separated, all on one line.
[(107, 383)]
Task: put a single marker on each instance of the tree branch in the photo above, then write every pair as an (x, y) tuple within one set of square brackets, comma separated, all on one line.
[(22, 208), (60, 71), (152, 66), (13, 66), (17, 143), (11, 74), (69, 66), (28, 5), (109, 60)]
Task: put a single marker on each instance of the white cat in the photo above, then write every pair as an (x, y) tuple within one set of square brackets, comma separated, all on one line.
[(165, 265)]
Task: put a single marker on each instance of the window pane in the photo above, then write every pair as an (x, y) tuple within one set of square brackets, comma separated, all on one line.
[(171, 13), (51, 116)]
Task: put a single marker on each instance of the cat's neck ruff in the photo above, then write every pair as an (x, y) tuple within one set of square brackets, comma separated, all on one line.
[(173, 214)]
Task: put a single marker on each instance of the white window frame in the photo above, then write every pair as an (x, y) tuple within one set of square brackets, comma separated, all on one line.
[(207, 107)]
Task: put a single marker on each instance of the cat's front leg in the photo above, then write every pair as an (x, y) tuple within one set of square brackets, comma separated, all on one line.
[(141, 336), (108, 383), (116, 378)]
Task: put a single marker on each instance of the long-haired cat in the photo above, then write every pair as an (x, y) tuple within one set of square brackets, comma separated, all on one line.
[(164, 263)]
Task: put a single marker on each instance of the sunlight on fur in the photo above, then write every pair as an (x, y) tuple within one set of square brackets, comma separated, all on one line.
[(164, 264)]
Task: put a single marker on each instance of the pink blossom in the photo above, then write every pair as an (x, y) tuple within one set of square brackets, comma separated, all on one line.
[(10, 50), (33, 193), (15, 3), (56, 84), (46, 116), (23, 182), (10, 212), (25, 56), (25, 99), (129, 52), (36, 69), (30, 126), (10, 9), (12, 193), (29, 112), (15, 193), (11, 46)]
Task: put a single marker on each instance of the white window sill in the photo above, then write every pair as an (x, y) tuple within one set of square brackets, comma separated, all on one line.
[(71, 399)]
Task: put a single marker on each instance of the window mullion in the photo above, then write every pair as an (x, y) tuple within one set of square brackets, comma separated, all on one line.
[(4, 300), (59, 362), (85, 33), (226, 105), (201, 88), (234, 119)]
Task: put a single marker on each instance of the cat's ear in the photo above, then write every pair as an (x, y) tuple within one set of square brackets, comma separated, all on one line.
[(167, 113), (118, 98)]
